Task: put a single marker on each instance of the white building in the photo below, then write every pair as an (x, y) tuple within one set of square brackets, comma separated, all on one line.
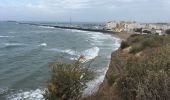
[(151, 26), (121, 26), (130, 26), (111, 25)]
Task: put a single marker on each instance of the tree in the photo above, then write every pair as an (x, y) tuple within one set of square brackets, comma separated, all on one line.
[(138, 30), (146, 31), (67, 81)]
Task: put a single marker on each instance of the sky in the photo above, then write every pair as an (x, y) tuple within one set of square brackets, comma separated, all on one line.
[(85, 10)]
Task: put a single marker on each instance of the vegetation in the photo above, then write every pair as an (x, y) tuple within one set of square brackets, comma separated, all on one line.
[(138, 30), (111, 79), (168, 31), (141, 42), (146, 77), (124, 44), (129, 77), (143, 77), (146, 31), (67, 81)]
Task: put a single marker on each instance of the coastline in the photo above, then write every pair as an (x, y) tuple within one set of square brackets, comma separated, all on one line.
[(103, 86), (100, 79), (120, 35)]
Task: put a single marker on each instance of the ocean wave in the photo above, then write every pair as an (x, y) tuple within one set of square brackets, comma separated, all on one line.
[(7, 45), (78, 31), (3, 90), (43, 44), (45, 26), (100, 36), (117, 42), (98, 39), (93, 85), (68, 51), (71, 52), (88, 54), (28, 95), (3, 36)]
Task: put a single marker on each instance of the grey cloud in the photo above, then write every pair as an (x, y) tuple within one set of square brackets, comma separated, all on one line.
[(94, 10)]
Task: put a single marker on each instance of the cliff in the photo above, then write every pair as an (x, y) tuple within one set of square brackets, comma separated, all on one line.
[(138, 70)]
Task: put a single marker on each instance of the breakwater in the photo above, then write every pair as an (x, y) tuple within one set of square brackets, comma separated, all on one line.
[(72, 27)]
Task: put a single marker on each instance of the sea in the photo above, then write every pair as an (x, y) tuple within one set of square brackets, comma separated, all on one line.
[(26, 51)]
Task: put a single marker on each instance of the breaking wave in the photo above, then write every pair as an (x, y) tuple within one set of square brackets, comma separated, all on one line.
[(45, 26), (3, 90), (43, 44), (92, 86), (88, 54), (78, 31), (28, 95), (10, 45), (3, 36)]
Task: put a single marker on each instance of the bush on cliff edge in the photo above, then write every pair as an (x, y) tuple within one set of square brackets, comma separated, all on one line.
[(146, 78), (67, 81)]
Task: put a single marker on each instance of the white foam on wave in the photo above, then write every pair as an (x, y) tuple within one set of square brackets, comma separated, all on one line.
[(68, 51), (97, 38), (55, 49), (14, 44), (93, 85), (71, 52), (100, 36), (88, 54), (4, 36), (43, 44), (46, 27), (78, 31), (28, 95), (117, 42), (3, 90)]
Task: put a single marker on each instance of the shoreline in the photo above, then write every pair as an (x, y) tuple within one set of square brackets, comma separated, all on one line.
[(120, 35), (71, 27)]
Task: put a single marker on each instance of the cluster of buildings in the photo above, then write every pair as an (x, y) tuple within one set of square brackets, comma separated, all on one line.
[(132, 26)]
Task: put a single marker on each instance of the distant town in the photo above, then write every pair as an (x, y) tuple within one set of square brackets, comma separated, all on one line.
[(143, 28), (126, 26), (111, 27)]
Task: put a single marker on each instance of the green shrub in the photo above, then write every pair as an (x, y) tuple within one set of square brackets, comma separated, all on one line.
[(168, 31), (142, 42), (136, 48), (134, 35), (111, 79), (147, 77), (67, 81), (124, 44)]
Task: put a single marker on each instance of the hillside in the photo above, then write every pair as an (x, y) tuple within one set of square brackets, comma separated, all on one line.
[(139, 70)]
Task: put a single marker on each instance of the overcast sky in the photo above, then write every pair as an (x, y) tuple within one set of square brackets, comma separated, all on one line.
[(85, 10)]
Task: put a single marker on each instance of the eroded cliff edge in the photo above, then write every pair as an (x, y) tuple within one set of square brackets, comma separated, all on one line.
[(138, 70)]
